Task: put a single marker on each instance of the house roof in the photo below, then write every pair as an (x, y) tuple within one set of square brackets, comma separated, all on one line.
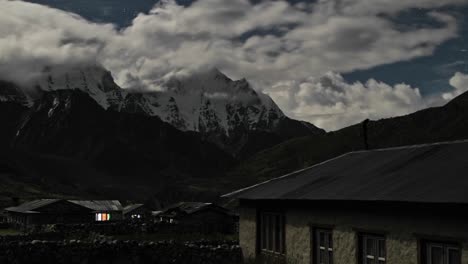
[(186, 208), (96, 205), (30, 207), (129, 208), (100, 205), (431, 173)]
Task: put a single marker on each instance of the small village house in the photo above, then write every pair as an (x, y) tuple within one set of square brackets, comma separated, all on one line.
[(137, 212), (104, 210), (397, 205), (205, 217), (48, 211), (54, 211)]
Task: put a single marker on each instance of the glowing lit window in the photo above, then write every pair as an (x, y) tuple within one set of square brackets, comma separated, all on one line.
[(102, 217)]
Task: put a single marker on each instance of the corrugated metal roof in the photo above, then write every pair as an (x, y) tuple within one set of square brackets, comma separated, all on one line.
[(100, 205), (30, 207), (129, 208), (431, 173), (188, 207)]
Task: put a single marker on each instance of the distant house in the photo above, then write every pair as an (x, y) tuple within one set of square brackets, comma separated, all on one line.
[(397, 205), (104, 210), (53, 211), (137, 212), (207, 217), (48, 211)]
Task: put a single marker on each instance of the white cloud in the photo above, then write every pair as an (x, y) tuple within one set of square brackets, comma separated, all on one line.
[(460, 82), (332, 103), (236, 37), (33, 36)]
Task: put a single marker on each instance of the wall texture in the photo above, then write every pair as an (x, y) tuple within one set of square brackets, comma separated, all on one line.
[(116, 252), (247, 232), (402, 234)]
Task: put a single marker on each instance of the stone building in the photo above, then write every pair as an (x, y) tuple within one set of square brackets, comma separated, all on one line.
[(397, 205)]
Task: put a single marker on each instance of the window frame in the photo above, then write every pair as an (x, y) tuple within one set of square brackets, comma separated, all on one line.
[(102, 217), (273, 240), (316, 247), (376, 256), (445, 245)]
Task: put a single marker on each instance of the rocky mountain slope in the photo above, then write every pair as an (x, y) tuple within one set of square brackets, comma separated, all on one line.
[(228, 113), (75, 132), (114, 152)]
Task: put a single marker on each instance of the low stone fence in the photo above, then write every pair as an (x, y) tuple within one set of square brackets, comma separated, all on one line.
[(118, 252), (120, 228)]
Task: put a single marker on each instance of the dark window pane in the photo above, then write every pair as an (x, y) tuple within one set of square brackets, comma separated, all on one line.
[(330, 257), (277, 234), (453, 256), (270, 233), (321, 257), (330, 240), (321, 239), (263, 232), (370, 247), (436, 254), (381, 248)]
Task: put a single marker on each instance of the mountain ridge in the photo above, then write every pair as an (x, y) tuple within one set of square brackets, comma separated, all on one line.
[(207, 102)]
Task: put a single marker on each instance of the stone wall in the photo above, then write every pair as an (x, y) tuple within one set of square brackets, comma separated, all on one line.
[(402, 233), (247, 232), (118, 252), (125, 227)]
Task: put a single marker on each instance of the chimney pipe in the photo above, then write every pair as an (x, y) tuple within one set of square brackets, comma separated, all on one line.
[(364, 133)]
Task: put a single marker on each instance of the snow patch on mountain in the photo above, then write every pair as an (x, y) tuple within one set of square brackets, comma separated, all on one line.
[(204, 102)]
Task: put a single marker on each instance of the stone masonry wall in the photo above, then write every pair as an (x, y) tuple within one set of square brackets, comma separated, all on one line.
[(247, 232), (402, 234)]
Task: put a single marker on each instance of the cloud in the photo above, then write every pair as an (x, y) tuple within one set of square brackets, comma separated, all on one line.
[(33, 36), (332, 103), (305, 41), (275, 45), (460, 82)]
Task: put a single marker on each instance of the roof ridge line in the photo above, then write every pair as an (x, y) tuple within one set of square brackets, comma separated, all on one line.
[(340, 156), (413, 146), (282, 177)]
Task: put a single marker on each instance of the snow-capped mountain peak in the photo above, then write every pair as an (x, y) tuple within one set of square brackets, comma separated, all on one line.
[(94, 80), (207, 101), (210, 101)]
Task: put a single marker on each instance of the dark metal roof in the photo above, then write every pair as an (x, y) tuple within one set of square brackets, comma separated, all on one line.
[(96, 205), (100, 205), (432, 173), (129, 208), (30, 207), (187, 208)]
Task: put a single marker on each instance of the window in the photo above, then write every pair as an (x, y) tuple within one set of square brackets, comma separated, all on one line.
[(372, 249), (100, 217), (323, 246), (272, 232), (440, 253)]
